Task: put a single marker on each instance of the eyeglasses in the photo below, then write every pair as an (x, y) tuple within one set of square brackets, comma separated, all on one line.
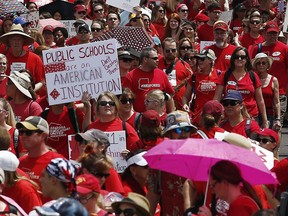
[(161, 11), (126, 60), (170, 50), (264, 140), (96, 29), (185, 47), (154, 58), (112, 19), (230, 102), (82, 12), (126, 100), (99, 11), (182, 129), (105, 103), (255, 22), (83, 32), (126, 212), (261, 63), (240, 57), (85, 200), (184, 11), (29, 132)]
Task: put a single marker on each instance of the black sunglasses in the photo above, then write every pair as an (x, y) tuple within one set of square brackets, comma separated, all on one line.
[(185, 47), (105, 103), (240, 57), (264, 140), (126, 60), (170, 50), (96, 29), (126, 212), (189, 58), (230, 102), (125, 100), (254, 22), (29, 132)]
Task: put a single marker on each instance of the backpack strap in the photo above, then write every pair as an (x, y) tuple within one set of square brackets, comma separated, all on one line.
[(248, 127), (16, 141), (73, 119), (202, 134), (171, 67), (259, 47), (124, 128), (44, 113), (137, 121), (252, 77)]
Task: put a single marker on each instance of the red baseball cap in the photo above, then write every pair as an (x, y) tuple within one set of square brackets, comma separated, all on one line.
[(269, 133), (87, 183), (220, 25), (272, 27), (79, 7), (201, 17), (150, 118), (49, 28), (213, 107)]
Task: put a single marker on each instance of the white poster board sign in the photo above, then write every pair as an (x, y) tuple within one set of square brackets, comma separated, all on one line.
[(265, 155), (91, 67), (204, 44), (117, 141), (226, 16), (126, 5), (285, 24), (68, 24), (33, 18)]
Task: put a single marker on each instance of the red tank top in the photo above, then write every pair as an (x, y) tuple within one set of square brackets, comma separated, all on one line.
[(268, 97)]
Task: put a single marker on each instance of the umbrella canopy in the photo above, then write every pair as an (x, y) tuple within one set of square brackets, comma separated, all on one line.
[(12, 7), (50, 21), (65, 8), (192, 158)]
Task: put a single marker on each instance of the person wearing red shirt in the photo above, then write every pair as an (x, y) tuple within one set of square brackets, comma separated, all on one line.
[(33, 132), (148, 77), (222, 49), (238, 15), (279, 52), (159, 20), (178, 71), (74, 40), (205, 31), (238, 119)]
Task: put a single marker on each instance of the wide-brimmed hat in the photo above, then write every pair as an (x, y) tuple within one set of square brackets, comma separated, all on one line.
[(238, 140), (17, 29), (259, 56), (138, 201), (178, 119), (21, 81)]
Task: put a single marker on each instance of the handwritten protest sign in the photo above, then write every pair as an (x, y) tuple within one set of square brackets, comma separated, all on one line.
[(126, 5), (203, 44), (117, 141), (68, 24), (33, 18), (91, 67), (265, 155)]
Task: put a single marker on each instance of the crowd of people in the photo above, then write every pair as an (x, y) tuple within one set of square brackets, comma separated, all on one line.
[(177, 89)]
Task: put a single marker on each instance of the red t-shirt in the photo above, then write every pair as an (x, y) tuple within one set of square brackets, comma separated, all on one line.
[(247, 89), (279, 53), (160, 27), (246, 40), (267, 93), (193, 13), (131, 185), (223, 56), (240, 128), (235, 25), (210, 134), (205, 32), (281, 169), (72, 41), (141, 82), (242, 206), (113, 183), (175, 77), (60, 126), (117, 125), (25, 194), (28, 108)]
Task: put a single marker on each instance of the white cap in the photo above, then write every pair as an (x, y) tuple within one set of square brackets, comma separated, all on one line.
[(137, 159), (8, 161)]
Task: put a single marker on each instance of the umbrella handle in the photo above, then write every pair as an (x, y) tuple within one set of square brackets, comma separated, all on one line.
[(206, 192)]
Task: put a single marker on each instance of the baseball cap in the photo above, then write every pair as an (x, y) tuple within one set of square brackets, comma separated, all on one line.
[(178, 119), (83, 26), (20, 20), (79, 22), (269, 133), (272, 27), (122, 54), (49, 28), (8, 161), (137, 159), (209, 53), (87, 183), (34, 123), (150, 118), (201, 17), (233, 95), (220, 25), (79, 7), (93, 135), (213, 107)]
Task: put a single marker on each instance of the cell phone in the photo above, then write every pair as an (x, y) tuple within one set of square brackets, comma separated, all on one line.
[(281, 6)]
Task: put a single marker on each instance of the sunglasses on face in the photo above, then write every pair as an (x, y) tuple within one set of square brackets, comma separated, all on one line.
[(240, 57), (181, 130), (126, 100), (83, 32), (230, 102), (185, 47), (81, 12), (126, 212), (255, 22), (184, 11), (96, 29), (170, 50), (127, 60), (99, 11), (189, 58), (161, 11), (28, 132), (105, 103), (264, 140), (261, 63)]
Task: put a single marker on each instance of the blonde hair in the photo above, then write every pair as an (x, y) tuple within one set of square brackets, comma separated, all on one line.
[(157, 95), (10, 118)]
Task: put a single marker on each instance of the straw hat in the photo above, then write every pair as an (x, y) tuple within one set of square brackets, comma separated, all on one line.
[(21, 82), (17, 29), (259, 56)]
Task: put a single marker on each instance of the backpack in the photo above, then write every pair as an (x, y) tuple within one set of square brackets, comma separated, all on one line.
[(72, 117)]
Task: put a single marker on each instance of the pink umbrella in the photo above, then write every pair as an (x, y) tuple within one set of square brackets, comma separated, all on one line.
[(192, 158)]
